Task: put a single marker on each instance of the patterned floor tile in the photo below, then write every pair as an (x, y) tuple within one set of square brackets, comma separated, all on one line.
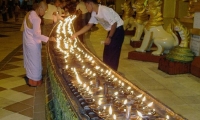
[(14, 95), (13, 84), (14, 59), (17, 107), (15, 72), (10, 80), (18, 63), (8, 67), (3, 76), (17, 116), (1, 89), (19, 53), (25, 89), (29, 101), (27, 112), (30, 92), (4, 113), (20, 56), (22, 75), (5, 102)]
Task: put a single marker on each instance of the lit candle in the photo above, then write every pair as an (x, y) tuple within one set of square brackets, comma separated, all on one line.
[(128, 111), (139, 115), (139, 96), (91, 83), (84, 85), (143, 99), (100, 88), (114, 117), (116, 93), (99, 102), (150, 104), (167, 117), (132, 92), (125, 102), (110, 110), (66, 67), (104, 108)]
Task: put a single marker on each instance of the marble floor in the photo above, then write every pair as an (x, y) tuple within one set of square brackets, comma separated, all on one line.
[(180, 92), (17, 100)]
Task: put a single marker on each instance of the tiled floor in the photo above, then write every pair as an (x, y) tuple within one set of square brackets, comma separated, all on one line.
[(17, 100), (20, 102)]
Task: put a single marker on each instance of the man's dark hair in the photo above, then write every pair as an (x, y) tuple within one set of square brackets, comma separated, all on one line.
[(87, 1)]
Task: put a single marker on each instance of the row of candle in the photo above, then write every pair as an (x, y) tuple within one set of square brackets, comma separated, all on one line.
[(69, 48)]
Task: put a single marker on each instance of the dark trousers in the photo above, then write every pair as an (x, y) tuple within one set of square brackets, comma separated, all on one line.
[(111, 53), (4, 16)]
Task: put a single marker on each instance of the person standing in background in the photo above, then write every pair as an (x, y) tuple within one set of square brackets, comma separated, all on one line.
[(10, 8), (29, 5), (4, 10), (112, 23), (25, 5), (52, 15), (32, 43), (16, 12), (85, 15)]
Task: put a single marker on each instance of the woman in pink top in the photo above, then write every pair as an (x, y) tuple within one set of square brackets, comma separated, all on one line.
[(32, 43)]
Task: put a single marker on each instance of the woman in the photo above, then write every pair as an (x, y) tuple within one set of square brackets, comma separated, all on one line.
[(32, 43)]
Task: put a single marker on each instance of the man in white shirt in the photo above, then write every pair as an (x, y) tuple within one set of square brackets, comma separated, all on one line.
[(52, 15), (111, 22), (85, 15)]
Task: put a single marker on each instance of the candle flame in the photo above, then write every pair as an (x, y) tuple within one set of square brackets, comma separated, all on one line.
[(132, 92), (116, 93), (144, 98), (112, 76), (83, 67), (150, 104), (94, 74), (100, 88), (97, 67), (139, 114), (125, 102), (91, 82), (66, 67), (139, 96), (87, 88), (109, 73), (167, 117), (99, 102), (114, 117), (115, 79), (84, 85), (110, 110)]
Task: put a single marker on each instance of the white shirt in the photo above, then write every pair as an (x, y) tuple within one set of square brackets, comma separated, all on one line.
[(81, 6), (49, 13), (106, 17)]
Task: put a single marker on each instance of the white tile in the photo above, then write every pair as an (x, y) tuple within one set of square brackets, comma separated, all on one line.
[(16, 116), (14, 95), (4, 113), (15, 72), (5, 102)]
